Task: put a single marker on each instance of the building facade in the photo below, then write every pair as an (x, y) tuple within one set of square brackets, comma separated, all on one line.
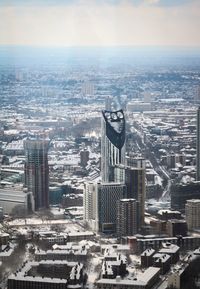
[(136, 189), (192, 211), (127, 217), (112, 143), (180, 193), (16, 201), (37, 171), (198, 145), (100, 205)]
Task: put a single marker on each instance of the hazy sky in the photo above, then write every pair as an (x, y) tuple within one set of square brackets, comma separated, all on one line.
[(100, 22)]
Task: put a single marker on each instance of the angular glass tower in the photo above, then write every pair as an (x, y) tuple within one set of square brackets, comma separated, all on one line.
[(112, 143), (37, 171)]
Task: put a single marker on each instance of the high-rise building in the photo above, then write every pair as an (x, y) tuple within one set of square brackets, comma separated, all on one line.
[(192, 212), (136, 162), (197, 94), (108, 103), (182, 192), (100, 205), (198, 145), (112, 143), (136, 189), (90, 204), (37, 171), (88, 89), (84, 157), (127, 217), (134, 179)]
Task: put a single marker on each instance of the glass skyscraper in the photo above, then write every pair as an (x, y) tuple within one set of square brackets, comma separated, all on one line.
[(37, 171)]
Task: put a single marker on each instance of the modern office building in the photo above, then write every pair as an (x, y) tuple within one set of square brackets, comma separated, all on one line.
[(127, 217), (134, 179), (136, 162), (100, 202), (112, 143), (192, 211), (182, 192), (198, 145), (136, 189), (176, 228), (37, 171)]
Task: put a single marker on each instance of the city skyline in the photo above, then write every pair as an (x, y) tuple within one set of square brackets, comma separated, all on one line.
[(100, 23)]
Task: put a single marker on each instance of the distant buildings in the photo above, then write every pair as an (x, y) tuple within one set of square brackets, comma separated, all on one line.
[(37, 171), (138, 106), (88, 89), (192, 211)]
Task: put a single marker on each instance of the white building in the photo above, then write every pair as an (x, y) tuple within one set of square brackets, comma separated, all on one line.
[(192, 211), (15, 200), (144, 280), (100, 202)]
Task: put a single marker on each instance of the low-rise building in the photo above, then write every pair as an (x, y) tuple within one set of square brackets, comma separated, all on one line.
[(16, 201), (162, 261), (172, 250), (142, 281), (147, 257), (45, 274)]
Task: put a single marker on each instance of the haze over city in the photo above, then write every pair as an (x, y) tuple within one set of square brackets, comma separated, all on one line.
[(100, 23), (99, 144)]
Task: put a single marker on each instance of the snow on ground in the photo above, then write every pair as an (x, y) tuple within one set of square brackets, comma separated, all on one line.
[(57, 211), (93, 272), (38, 221), (25, 225)]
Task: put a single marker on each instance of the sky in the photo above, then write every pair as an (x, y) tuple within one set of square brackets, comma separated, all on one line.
[(100, 22)]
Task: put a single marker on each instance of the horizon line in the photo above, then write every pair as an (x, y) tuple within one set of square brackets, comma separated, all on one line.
[(101, 46)]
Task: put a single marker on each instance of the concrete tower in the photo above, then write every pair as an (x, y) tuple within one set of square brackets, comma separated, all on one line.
[(37, 171)]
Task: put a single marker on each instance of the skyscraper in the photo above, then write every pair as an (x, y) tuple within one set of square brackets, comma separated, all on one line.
[(127, 217), (84, 157), (100, 205), (136, 188), (112, 143), (198, 145), (192, 212), (37, 171)]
